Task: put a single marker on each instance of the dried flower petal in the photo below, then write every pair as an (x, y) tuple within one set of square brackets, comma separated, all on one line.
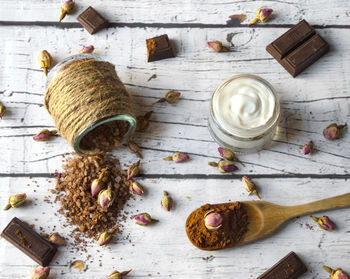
[(178, 157), (336, 273), (250, 186), (144, 219), (167, 202), (228, 154), (118, 275), (324, 223), (262, 15), (308, 148), (45, 60), (87, 49), (142, 121), (66, 8), (77, 264), (333, 131), (15, 201), (40, 272), (225, 166), (134, 170), (55, 238), (212, 220), (134, 148), (217, 46), (44, 135), (2, 110), (106, 197), (136, 188)]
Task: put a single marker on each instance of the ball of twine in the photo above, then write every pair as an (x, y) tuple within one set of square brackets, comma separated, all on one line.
[(83, 93)]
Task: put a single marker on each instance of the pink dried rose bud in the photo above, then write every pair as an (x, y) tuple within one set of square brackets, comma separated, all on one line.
[(55, 238), (336, 273), (262, 15), (134, 170), (134, 148), (106, 197), (40, 272), (45, 60), (2, 110), (118, 275), (15, 201), (106, 237), (144, 219), (324, 223), (44, 135), (167, 202), (66, 8), (217, 46), (171, 97), (228, 155), (87, 49), (225, 166), (212, 220), (136, 188), (99, 183), (178, 157), (333, 131), (308, 148), (250, 186)]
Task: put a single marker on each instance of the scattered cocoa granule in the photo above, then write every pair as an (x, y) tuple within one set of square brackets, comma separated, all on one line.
[(74, 193)]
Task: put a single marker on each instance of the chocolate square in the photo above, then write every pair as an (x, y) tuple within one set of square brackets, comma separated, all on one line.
[(92, 21), (159, 48)]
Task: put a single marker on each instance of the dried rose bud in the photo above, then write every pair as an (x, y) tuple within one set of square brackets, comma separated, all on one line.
[(167, 202), (336, 273), (44, 135), (45, 60), (99, 183), (142, 121), (15, 201), (228, 155), (55, 238), (2, 110), (106, 197), (225, 166), (333, 131), (212, 220), (262, 15), (324, 223), (66, 8), (106, 237), (40, 272), (217, 46), (171, 97), (118, 275), (308, 148), (87, 49), (144, 219), (250, 186), (178, 157), (136, 188), (134, 148), (134, 170), (77, 264)]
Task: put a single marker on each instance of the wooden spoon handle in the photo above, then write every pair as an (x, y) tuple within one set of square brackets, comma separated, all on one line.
[(330, 203)]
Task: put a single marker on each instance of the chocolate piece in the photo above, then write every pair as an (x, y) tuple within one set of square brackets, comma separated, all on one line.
[(290, 267), (29, 242), (298, 48), (159, 48), (92, 21)]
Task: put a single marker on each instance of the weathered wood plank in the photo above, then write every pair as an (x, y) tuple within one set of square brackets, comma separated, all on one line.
[(184, 12), (164, 248)]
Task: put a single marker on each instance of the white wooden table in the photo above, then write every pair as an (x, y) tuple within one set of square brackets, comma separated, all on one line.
[(316, 98)]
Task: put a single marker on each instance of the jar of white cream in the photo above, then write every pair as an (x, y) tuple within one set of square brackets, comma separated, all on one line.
[(244, 113)]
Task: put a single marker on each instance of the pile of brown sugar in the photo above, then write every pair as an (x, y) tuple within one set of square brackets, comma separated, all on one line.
[(74, 193), (234, 226)]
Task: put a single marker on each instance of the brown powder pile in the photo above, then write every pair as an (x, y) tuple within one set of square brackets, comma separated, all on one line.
[(234, 226), (74, 193)]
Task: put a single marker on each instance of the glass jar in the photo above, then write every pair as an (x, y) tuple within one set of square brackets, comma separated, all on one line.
[(127, 116), (244, 136)]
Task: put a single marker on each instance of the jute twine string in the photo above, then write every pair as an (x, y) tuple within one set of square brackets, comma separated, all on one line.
[(82, 93)]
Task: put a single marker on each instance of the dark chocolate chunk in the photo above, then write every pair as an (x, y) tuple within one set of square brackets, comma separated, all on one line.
[(298, 48), (290, 267), (29, 242), (92, 21), (159, 48)]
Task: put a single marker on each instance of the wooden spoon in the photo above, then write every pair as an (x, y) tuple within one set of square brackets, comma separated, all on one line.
[(265, 217)]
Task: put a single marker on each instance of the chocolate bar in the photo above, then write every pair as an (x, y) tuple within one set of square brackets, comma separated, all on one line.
[(92, 21), (159, 48), (29, 242), (298, 48), (290, 267)]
